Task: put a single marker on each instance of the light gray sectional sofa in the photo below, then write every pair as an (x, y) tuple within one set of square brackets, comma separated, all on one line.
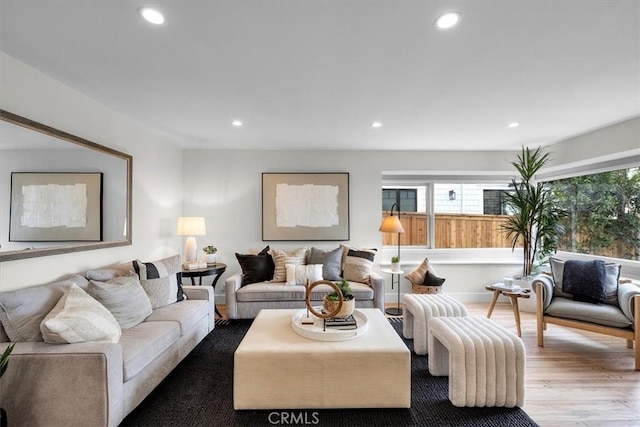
[(92, 383)]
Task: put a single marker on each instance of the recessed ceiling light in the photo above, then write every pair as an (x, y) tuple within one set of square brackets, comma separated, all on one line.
[(513, 125), (151, 15), (236, 123), (376, 125), (448, 20)]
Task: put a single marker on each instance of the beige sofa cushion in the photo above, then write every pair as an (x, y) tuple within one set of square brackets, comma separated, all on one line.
[(144, 342), (186, 313), (22, 310), (78, 318), (268, 291)]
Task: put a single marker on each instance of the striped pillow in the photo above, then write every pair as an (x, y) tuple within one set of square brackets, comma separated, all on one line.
[(161, 280), (419, 273), (282, 258), (358, 265), (79, 318)]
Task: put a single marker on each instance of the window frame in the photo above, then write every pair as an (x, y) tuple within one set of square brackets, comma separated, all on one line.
[(414, 255)]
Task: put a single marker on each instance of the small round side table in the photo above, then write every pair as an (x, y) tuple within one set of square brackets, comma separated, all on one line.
[(214, 269), (395, 277)]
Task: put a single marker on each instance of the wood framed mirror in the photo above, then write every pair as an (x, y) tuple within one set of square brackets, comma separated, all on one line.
[(27, 146)]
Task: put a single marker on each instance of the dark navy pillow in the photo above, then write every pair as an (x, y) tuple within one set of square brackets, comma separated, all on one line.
[(586, 280)]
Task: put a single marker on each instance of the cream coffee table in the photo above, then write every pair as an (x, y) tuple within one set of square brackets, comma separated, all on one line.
[(275, 368)]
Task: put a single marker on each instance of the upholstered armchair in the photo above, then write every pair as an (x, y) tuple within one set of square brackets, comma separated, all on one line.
[(615, 312)]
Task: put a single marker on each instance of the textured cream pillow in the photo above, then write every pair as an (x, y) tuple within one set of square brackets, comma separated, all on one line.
[(299, 274), (282, 258), (79, 318), (418, 274)]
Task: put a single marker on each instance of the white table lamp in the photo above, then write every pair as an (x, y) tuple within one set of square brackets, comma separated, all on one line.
[(191, 226)]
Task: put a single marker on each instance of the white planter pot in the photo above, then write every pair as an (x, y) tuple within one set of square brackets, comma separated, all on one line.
[(395, 266), (211, 258)]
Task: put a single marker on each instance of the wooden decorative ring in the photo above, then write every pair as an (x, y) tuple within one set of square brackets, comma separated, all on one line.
[(308, 299)]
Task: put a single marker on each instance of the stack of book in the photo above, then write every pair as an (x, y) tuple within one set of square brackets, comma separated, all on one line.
[(342, 323)]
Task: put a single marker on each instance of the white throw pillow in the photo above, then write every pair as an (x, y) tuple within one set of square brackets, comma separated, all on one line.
[(299, 274), (79, 318)]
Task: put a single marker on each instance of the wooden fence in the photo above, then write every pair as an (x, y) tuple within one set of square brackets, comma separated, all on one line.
[(452, 231)]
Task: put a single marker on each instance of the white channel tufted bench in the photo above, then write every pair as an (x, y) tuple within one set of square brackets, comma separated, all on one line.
[(419, 309), (485, 362)]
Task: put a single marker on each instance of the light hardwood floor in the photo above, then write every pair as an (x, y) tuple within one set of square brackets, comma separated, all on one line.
[(578, 379)]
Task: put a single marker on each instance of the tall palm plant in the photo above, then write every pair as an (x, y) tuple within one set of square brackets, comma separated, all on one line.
[(535, 221)]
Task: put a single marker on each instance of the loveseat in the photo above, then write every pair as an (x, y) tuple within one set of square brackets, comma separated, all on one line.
[(95, 383), (275, 279), (588, 295)]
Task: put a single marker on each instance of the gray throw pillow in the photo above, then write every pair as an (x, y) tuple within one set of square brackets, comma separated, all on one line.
[(124, 297), (331, 262)]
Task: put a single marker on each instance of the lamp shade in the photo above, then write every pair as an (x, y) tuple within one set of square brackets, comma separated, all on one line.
[(191, 226), (391, 224)]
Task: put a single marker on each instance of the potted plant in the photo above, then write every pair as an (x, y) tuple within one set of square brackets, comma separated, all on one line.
[(210, 254), (4, 362), (535, 221), (330, 301), (395, 263)]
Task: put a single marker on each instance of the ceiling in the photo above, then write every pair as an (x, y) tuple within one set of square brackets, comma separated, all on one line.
[(315, 74)]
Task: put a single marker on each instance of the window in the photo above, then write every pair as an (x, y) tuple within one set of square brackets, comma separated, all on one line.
[(603, 213), (463, 215), (405, 198)]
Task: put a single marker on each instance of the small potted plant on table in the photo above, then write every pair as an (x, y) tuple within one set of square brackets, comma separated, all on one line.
[(331, 301), (210, 254), (395, 263)]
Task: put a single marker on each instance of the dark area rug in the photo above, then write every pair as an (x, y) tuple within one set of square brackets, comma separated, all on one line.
[(199, 392)]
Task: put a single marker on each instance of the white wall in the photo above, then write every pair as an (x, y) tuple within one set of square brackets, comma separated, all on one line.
[(225, 186), (157, 172), (601, 144)]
